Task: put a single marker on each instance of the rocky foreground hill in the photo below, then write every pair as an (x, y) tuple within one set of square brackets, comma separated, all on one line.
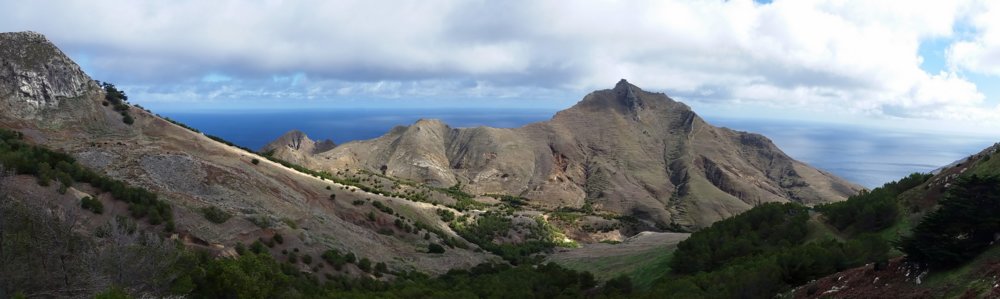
[(220, 195), (622, 150)]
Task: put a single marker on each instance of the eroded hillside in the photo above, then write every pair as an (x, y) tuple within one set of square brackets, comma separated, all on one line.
[(623, 150)]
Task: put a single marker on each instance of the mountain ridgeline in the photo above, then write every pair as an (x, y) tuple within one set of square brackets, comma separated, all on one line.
[(100, 197), (622, 150)]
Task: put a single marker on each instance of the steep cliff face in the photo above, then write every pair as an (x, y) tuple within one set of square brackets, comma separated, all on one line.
[(622, 150), (39, 84)]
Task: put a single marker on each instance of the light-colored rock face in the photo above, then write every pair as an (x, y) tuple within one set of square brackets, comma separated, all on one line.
[(38, 82), (622, 150)]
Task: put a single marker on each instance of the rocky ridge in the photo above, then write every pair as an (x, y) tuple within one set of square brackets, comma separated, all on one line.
[(622, 150)]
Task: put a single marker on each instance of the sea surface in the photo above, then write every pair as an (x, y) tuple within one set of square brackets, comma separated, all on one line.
[(863, 155)]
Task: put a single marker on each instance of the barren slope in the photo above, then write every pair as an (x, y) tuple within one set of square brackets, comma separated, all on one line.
[(621, 150), (45, 96)]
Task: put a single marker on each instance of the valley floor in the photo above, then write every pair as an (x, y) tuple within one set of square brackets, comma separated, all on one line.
[(643, 257)]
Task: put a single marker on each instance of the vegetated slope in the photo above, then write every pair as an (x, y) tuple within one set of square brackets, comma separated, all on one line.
[(946, 230), (623, 150), (220, 195)]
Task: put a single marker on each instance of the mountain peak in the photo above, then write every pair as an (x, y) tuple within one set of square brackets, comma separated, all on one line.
[(298, 141), (624, 98), (622, 85), (39, 76)]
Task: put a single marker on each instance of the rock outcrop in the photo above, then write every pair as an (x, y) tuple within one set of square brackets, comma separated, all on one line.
[(297, 141), (622, 150), (40, 84)]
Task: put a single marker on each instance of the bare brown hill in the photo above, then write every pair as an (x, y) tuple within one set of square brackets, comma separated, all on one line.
[(46, 97), (622, 150)]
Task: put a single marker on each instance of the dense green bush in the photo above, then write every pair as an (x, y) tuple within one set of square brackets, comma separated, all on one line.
[(965, 225), (870, 211), (92, 204), (365, 264), (435, 248), (765, 274), (446, 215), (215, 215), (765, 228)]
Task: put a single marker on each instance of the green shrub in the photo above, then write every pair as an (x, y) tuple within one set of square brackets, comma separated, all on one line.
[(435, 248), (261, 221), (382, 207), (215, 215), (365, 264), (255, 161), (92, 204), (446, 215)]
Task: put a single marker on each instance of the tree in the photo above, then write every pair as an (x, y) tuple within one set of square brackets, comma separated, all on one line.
[(967, 222), (215, 215), (365, 264)]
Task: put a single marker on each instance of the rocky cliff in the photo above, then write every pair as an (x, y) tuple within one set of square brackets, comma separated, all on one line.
[(622, 150), (42, 85)]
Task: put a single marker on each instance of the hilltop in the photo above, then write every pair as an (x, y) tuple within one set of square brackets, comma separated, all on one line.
[(623, 150)]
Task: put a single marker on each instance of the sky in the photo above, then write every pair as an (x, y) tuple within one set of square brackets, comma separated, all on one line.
[(924, 65)]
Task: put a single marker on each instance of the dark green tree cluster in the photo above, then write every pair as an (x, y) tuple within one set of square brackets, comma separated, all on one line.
[(760, 253), (764, 275), (767, 227), (870, 211), (47, 165), (117, 98), (965, 225), (337, 259), (484, 281)]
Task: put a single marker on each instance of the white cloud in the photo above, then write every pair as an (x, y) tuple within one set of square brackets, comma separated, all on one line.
[(981, 52), (858, 56)]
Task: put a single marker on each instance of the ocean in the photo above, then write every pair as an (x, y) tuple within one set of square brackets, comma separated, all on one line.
[(863, 155)]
